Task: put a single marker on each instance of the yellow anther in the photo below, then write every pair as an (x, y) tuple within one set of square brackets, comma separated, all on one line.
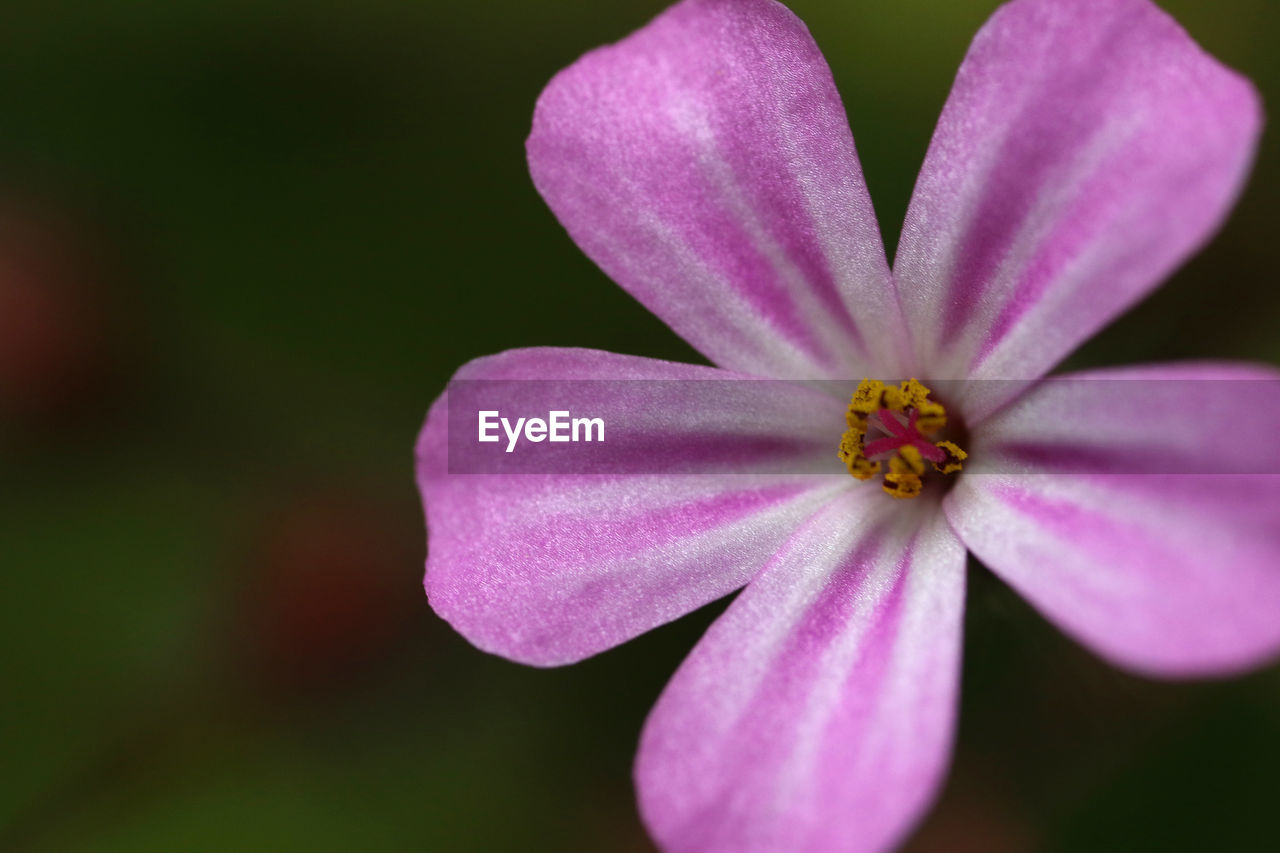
[(867, 399), (908, 460), (930, 417), (863, 468), (954, 460), (850, 445), (914, 393), (893, 399), (853, 457), (906, 485)]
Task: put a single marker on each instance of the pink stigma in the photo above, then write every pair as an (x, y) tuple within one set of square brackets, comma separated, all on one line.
[(899, 435)]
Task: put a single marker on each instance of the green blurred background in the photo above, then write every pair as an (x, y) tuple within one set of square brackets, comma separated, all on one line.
[(243, 245)]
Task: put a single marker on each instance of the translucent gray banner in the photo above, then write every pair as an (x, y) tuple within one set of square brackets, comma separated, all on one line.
[(1108, 424)]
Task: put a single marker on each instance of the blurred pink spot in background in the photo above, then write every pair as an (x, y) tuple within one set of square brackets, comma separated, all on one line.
[(325, 596), (57, 356)]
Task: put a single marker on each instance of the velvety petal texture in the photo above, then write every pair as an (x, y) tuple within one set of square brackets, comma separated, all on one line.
[(706, 164), (1086, 149), (551, 568), (817, 713), (1072, 496)]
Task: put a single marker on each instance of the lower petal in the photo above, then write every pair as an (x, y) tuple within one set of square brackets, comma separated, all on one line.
[(549, 568), (1138, 509), (817, 713)]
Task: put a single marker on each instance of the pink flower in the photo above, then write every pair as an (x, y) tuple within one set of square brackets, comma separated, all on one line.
[(705, 163)]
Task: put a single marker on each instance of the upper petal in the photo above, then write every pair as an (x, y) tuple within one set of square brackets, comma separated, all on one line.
[(548, 568), (706, 164), (1086, 149), (816, 714), (1073, 495)]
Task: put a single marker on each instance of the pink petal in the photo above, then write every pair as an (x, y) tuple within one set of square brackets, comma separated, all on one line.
[(551, 568), (1072, 496), (817, 712), (705, 163), (1087, 149)]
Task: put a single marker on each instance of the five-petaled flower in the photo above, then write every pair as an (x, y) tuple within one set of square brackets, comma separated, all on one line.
[(705, 163)]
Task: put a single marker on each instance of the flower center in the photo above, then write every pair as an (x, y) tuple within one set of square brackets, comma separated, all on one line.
[(894, 424)]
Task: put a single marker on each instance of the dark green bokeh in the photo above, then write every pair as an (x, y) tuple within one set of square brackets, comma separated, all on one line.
[(298, 218)]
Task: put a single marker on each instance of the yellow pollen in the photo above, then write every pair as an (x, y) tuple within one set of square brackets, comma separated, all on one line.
[(867, 400), (908, 460), (932, 417), (906, 485), (851, 454), (955, 456), (904, 444)]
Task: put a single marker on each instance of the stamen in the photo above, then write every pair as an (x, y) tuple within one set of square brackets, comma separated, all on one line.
[(897, 419), (954, 456), (903, 479)]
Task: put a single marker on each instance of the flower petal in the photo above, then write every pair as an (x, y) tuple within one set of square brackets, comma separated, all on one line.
[(1088, 147), (551, 568), (1072, 496), (706, 164), (817, 712)]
